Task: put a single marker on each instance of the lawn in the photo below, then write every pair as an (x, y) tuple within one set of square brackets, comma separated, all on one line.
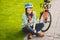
[(11, 17)]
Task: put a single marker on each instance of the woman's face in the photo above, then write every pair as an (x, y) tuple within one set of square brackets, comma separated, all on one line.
[(29, 10)]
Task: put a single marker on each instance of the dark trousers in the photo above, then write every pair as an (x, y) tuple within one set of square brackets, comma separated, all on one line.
[(28, 29)]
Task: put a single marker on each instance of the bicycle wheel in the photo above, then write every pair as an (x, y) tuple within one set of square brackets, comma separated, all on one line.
[(47, 22), (49, 6)]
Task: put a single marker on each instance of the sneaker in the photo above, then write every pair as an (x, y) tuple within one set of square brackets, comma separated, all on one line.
[(30, 36), (40, 35)]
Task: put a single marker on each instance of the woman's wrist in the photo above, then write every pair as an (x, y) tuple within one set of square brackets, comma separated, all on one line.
[(33, 28)]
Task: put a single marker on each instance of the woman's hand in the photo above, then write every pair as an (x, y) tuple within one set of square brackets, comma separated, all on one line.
[(27, 24)]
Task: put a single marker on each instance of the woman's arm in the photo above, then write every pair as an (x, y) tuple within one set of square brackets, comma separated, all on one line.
[(34, 24), (34, 21), (25, 22)]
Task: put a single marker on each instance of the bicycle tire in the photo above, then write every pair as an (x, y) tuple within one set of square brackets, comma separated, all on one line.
[(49, 23)]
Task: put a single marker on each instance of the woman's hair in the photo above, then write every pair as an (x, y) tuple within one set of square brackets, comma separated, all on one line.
[(30, 14)]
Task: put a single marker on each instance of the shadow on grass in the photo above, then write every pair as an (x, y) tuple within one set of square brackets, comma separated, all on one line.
[(20, 35), (16, 36)]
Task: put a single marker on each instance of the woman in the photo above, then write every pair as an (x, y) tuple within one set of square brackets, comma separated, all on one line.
[(29, 22)]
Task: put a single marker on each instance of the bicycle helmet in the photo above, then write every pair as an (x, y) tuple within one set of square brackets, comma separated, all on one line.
[(28, 5)]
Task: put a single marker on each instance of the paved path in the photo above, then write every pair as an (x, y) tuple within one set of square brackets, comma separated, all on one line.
[(54, 32)]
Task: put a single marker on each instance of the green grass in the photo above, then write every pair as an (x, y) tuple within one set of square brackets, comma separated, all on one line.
[(11, 18)]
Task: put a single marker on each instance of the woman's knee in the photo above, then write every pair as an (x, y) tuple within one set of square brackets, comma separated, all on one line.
[(25, 30), (42, 24)]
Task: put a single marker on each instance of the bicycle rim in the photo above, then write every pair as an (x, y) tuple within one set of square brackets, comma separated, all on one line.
[(47, 24)]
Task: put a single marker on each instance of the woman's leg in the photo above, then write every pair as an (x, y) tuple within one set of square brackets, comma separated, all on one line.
[(39, 26), (25, 30), (29, 30)]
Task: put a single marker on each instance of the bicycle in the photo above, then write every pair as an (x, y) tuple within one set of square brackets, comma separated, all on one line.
[(46, 15)]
